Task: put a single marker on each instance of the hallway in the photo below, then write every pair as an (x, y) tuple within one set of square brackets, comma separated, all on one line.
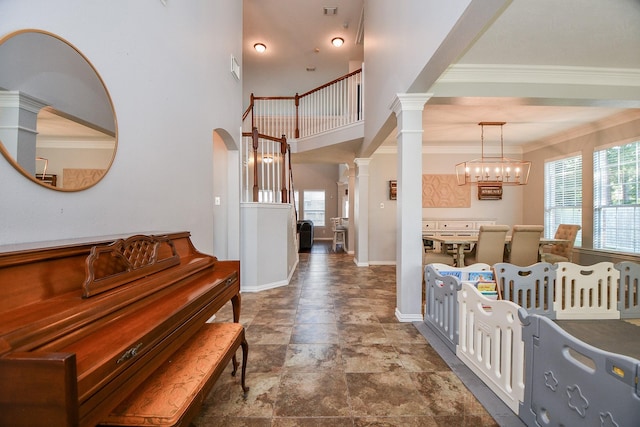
[(327, 350)]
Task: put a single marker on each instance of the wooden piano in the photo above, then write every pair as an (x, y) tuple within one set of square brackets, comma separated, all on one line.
[(84, 323)]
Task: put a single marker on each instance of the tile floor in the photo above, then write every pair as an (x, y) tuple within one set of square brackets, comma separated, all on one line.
[(327, 350)]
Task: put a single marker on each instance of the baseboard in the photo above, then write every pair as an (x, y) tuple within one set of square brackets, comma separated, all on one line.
[(408, 317)]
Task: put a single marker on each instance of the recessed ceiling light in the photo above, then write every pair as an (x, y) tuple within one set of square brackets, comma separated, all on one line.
[(260, 47), (337, 41)]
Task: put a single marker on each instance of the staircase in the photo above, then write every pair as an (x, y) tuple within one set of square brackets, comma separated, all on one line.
[(325, 116), (274, 129)]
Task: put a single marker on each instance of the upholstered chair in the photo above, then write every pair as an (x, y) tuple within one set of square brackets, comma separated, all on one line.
[(562, 252), (435, 257), (490, 246), (525, 245)]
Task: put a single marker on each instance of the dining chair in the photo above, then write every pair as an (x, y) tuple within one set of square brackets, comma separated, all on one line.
[(437, 257), (490, 246), (562, 252), (525, 245)]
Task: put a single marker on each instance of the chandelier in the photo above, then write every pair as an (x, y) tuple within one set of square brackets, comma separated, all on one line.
[(489, 170)]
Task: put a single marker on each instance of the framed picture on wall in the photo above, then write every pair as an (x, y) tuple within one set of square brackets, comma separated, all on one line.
[(393, 190), (490, 191)]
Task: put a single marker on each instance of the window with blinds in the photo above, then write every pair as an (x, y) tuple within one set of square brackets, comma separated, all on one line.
[(313, 206), (616, 198), (563, 194)]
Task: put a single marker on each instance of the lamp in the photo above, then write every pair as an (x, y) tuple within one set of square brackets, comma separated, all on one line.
[(260, 47), (337, 41), (493, 170), (267, 159)]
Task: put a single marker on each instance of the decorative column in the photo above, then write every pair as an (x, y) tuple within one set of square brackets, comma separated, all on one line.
[(351, 239), (361, 213), (18, 127), (409, 252)]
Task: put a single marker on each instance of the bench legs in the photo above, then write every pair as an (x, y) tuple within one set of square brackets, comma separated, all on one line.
[(245, 352)]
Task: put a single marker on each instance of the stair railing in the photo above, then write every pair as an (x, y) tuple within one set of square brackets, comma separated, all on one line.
[(327, 107), (266, 176)]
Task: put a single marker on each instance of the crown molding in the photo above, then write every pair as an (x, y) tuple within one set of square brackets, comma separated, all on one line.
[(70, 143), (622, 118), (541, 74), (455, 149)]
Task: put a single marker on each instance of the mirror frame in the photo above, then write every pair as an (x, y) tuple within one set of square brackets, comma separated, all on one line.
[(14, 162)]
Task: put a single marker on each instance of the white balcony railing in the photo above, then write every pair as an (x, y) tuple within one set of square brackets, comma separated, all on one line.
[(269, 121), (330, 106)]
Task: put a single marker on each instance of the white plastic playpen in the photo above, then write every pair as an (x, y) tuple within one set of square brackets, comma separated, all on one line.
[(545, 375)]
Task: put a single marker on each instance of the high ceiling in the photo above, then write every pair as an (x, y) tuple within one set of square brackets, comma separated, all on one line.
[(543, 33), (588, 34)]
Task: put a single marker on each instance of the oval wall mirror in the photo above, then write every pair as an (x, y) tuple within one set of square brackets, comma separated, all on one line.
[(57, 123)]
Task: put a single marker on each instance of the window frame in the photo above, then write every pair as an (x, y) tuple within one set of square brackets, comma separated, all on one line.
[(315, 218), (563, 213), (616, 226)]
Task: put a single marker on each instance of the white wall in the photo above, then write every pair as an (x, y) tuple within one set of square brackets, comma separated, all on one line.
[(167, 70), (404, 51), (268, 248), (382, 210)]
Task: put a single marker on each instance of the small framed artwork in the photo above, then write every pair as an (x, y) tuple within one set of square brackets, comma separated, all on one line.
[(52, 180), (491, 191), (393, 190)]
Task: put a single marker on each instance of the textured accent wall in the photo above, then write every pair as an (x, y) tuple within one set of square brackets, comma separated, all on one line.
[(80, 178), (442, 191)]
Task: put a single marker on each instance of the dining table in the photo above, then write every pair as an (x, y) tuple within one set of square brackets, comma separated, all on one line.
[(459, 243)]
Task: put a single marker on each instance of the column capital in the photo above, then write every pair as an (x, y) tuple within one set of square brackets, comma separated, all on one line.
[(21, 100), (409, 102), (362, 161)]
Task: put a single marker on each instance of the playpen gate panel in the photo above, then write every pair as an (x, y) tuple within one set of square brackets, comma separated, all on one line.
[(628, 303), (442, 283), (490, 343), (586, 292), (532, 287), (571, 383)]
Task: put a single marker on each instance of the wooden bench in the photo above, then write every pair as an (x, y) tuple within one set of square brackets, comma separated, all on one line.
[(174, 393)]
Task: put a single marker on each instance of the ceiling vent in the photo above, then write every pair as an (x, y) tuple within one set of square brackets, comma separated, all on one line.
[(330, 11)]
